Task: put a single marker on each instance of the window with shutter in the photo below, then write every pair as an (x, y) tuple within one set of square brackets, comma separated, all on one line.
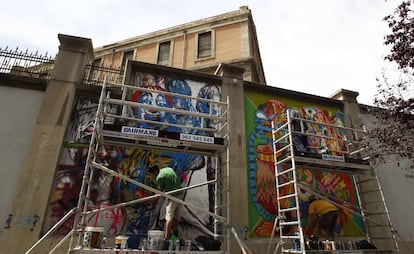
[(164, 53), (204, 45)]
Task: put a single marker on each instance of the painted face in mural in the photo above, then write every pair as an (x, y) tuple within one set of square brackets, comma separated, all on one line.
[(210, 92), (150, 98), (180, 87), (149, 113)]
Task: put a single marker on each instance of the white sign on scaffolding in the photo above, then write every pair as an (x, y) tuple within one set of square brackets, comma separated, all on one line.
[(139, 131), (197, 138)]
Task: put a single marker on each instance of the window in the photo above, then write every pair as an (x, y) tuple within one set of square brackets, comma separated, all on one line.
[(204, 45), (128, 55), (164, 53)]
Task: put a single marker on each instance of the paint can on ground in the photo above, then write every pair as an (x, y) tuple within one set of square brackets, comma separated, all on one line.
[(92, 237), (121, 242), (154, 239), (134, 241)]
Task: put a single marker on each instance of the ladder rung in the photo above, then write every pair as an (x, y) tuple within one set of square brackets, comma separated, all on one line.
[(287, 196), (287, 223), (367, 180), (291, 251), (369, 191), (284, 184), (283, 150), (290, 237), (284, 160), (288, 209), (284, 172), (281, 138)]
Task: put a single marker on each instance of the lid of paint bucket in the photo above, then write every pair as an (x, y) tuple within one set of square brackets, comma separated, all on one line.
[(94, 229), (121, 237), (156, 233)]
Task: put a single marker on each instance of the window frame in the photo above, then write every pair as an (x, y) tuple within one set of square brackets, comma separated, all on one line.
[(212, 45), (170, 52)]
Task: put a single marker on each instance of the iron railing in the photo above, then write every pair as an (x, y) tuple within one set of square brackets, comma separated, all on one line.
[(97, 75), (23, 63)]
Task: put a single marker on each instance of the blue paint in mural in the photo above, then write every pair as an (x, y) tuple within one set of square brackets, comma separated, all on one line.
[(132, 162)]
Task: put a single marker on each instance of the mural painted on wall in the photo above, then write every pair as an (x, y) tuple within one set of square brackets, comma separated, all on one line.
[(260, 110), (177, 86), (108, 190)]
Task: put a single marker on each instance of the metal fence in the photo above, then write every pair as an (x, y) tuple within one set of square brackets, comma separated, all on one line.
[(23, 63), (96, 74)]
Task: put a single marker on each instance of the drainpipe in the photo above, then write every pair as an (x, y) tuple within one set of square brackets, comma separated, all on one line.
[(184, 49)]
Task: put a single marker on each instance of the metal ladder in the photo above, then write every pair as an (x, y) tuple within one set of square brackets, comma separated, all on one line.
[(371, 199), (375, 214), (287, 188)]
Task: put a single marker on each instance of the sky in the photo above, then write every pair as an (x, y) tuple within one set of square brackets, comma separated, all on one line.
[(315, 47)]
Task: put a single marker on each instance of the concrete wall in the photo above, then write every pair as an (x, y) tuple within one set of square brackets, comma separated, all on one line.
[(397, 179), (396, 176), (19, 108), (38, 166)]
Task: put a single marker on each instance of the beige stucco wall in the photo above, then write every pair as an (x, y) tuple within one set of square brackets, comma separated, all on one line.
[(51, 112), (18, 110), (397, 179)]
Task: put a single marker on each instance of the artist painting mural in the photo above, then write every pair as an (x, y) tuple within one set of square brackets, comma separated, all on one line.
[(260, 111), (108, 190)]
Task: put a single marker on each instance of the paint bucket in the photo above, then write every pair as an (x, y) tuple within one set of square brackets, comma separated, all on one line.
[(154, 239), (121, 242), (92, 237), (133, 241)]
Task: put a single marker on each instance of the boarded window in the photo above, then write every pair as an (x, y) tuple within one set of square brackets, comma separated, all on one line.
[(204, 45), (164, 53)]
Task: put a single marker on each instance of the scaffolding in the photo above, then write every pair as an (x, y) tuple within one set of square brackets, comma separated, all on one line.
[(338, 149), (115, 125)]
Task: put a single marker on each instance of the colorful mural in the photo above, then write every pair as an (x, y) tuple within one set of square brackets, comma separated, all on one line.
[(260, 110), (109, 190)]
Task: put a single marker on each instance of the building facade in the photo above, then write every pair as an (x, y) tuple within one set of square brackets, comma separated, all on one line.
[(46, 175), (202, 45)]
